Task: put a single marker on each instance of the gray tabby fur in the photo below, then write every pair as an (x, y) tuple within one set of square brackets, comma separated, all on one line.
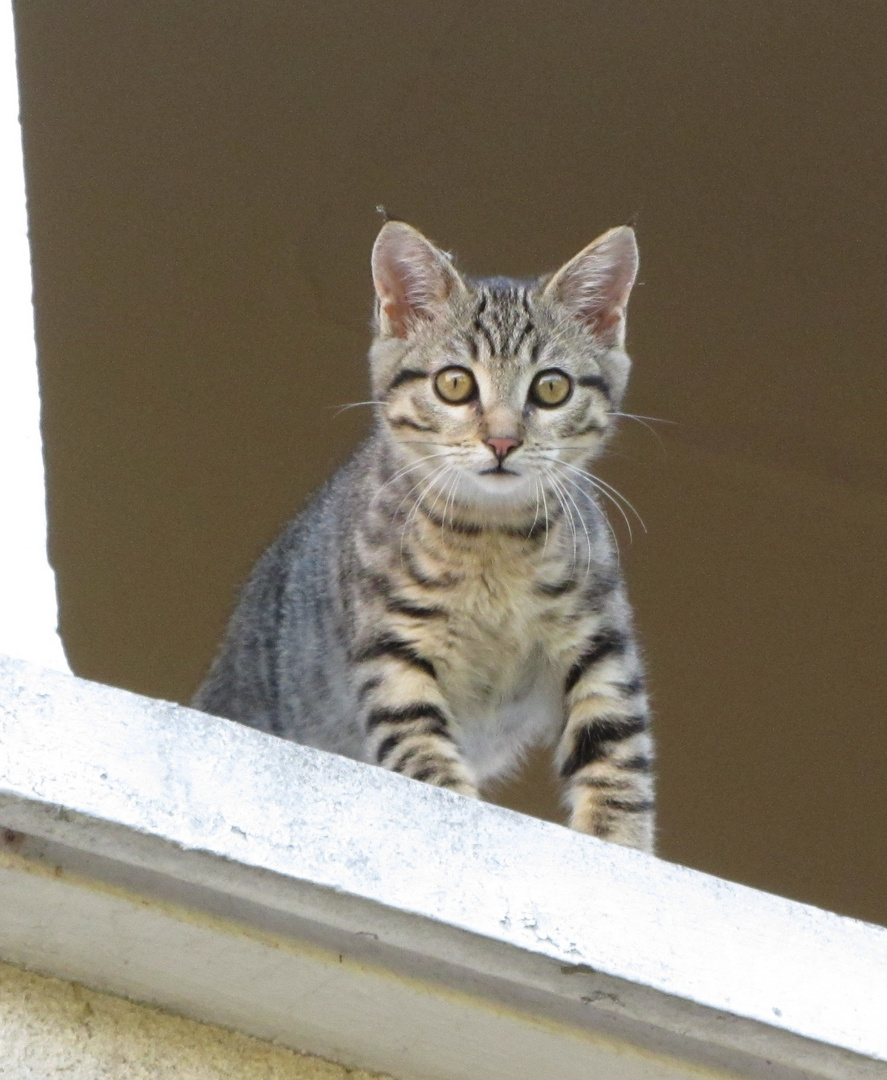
[(446, 602)]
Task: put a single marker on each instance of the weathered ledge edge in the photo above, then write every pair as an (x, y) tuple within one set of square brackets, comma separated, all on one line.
[(185, 809)]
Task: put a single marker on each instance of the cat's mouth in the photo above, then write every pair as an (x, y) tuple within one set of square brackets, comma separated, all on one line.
[(498, 470)]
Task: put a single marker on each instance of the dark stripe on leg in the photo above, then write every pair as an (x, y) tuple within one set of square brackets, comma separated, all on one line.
[(424, 774), (589, 742), (392, 741), (367, 687), (557, 588), (630, 688), (449, 782), (641, 763), (415, 711), (603, 644), (415, 611), (643, 806), (390, 645), (419, 756)]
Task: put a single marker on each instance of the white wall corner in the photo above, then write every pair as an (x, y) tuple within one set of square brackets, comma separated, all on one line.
[(28, 604)]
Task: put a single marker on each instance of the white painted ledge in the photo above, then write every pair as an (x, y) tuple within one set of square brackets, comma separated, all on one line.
[(194, 863)]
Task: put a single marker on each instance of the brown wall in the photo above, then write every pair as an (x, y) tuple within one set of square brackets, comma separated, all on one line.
[(202, 180)]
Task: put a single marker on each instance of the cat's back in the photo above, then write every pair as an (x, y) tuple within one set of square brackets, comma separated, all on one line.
[(285, 630)]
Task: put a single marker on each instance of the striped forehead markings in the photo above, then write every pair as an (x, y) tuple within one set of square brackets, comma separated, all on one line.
[(504, 319), (528, 327), (480, 326)]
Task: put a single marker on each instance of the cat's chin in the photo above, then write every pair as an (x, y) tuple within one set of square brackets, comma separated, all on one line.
[(499, 495)]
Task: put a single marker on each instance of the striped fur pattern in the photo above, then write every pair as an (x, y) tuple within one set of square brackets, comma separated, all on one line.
[(452, 596)]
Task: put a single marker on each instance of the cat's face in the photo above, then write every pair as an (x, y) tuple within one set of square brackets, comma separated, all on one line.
[(497, 393)]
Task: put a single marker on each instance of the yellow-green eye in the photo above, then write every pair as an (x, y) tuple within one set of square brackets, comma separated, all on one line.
[(455, 385), (551, 388)]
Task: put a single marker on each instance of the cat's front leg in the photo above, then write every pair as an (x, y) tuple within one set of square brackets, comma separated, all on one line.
[(407, 723), (605, 753)]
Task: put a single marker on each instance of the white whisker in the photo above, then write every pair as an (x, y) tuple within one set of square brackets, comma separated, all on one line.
[(640, 416), (619, 495), (560, 491), (642, 420), (547, 519), (582, 523), (450, 501), (569, 480), (605, 489), (536, 482), (419, 484), (404, 470), (414, 510), (354, 405), (428, 481)]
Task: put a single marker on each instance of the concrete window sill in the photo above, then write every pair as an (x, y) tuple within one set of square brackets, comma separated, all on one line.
[(186, 861)]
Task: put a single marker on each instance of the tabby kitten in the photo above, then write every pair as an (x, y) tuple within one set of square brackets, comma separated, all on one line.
[(452, 595)]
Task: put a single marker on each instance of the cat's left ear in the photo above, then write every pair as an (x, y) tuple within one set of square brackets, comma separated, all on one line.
[(595, 285), (414, 280)]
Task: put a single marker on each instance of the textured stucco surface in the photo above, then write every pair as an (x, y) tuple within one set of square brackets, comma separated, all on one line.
[(51, 1029)]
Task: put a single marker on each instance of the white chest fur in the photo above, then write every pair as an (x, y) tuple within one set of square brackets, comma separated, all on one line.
[(494, 737), (493, 664)]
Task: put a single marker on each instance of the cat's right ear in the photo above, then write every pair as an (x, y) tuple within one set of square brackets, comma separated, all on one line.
[(414, 280), (594, 286)]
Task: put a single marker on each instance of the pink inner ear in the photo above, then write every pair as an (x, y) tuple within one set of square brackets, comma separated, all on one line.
[(596, 293), (607, 317), (402, 308), (411, 276), (596, 284), (398, 316)]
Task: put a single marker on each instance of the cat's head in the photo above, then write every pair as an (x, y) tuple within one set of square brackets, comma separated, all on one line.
[(492, 391)]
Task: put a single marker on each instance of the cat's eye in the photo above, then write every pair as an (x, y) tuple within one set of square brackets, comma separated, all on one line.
[(455, 385), (551, 388)]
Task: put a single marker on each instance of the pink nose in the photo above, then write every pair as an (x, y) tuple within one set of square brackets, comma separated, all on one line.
[(502, 447)]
